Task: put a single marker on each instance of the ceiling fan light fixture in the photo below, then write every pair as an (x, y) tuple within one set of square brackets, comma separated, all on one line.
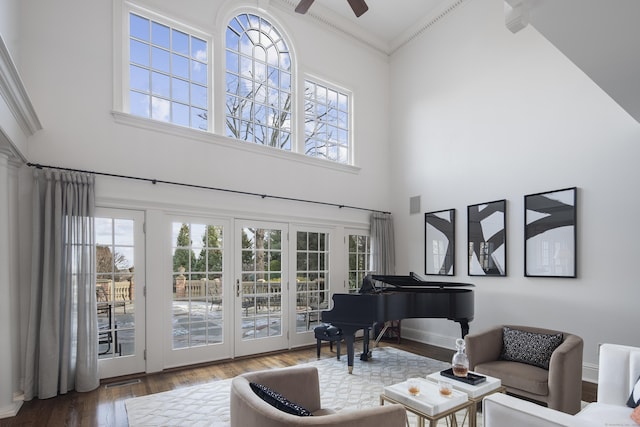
[(358, 6), (304, 6)]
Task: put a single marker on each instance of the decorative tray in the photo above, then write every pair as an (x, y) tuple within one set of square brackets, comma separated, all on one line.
[(471, 378)]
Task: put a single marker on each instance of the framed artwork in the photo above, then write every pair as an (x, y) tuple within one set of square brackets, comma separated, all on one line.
[(439, 243), (550, 234), (487, 239)]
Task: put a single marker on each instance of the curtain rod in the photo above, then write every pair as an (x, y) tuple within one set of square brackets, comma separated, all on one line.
[(204, 187)]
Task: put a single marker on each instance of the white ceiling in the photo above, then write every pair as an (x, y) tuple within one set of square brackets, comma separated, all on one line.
[(599, 37), (385, 26), (386, 18)]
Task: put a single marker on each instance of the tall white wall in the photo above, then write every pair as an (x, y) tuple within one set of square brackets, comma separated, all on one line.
[(67, 63), (480, 114), (74, 101)]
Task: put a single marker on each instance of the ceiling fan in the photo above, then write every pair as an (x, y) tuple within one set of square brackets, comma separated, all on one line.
[(358, 6)]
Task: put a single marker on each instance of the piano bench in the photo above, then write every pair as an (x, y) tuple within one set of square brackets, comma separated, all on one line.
[(329, 333)]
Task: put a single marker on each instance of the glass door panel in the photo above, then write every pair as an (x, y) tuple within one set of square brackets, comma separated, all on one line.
[(261, 288), (197, 294), (119, 291), (312, 278), (359, 254), (197, 288)]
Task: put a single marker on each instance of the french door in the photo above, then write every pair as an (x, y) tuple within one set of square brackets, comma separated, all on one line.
[(311, 249), (261, 287), (120, 283), (198, 289)]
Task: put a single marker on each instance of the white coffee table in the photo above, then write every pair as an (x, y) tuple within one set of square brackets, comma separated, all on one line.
[(429, 404), (475, 393)]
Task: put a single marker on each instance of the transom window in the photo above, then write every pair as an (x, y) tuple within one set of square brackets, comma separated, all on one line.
[(326, 122), (168, 74), (258, 80)]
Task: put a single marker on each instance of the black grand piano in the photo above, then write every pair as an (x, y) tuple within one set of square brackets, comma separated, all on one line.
[(399, 297)]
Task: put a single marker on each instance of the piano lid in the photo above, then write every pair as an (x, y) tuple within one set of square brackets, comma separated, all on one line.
[(414, 280)]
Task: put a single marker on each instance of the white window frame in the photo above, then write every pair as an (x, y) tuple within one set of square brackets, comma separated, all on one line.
[(315, 293), (182, 356), (347, 255), (136, 362), (217, 68), (340, 90), (121, 55), (282, 43)]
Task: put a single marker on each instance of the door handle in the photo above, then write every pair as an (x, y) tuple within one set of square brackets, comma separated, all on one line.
[(238, 287)]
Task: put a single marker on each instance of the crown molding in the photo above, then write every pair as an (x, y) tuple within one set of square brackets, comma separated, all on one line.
[(339, 24), (444, 9), (15, 94)]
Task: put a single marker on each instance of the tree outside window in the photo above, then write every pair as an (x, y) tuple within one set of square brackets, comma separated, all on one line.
[(258, 83), (259, 94)]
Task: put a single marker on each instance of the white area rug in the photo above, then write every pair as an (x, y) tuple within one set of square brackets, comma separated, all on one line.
[(208, 404)]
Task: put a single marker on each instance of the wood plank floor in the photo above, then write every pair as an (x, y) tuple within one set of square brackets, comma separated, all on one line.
[(105, 405)]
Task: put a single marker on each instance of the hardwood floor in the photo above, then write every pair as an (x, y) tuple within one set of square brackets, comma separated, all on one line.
[(105, 405)]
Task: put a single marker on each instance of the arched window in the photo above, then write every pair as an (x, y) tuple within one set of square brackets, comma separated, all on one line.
[(258, 80)]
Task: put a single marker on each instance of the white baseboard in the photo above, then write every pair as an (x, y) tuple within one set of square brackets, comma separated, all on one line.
[(590, 372), (10, 410), (427, 337)]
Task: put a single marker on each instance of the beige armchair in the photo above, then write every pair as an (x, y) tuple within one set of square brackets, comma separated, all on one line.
[(301, 385), (560, 387), (618, 370)]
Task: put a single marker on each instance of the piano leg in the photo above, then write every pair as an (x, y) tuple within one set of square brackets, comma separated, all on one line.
[(349, 339), (464, 325), (366, 354), (349, 334)]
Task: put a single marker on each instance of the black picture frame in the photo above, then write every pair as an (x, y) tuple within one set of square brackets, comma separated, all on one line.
[(550, 233), (487, 238), (439, 243)]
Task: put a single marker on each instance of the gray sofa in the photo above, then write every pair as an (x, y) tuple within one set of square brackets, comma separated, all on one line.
[(300, 384), (560, 387)]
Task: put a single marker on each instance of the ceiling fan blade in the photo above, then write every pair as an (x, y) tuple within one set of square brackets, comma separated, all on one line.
[(359, 7), (303, 6)]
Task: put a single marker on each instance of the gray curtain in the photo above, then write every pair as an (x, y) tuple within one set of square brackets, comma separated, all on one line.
[(62, 337), (383, 249)]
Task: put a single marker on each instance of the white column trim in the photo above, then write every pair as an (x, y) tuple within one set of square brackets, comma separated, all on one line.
[(8, 405)]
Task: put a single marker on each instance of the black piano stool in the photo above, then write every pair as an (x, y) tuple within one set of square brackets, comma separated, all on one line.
[(326, 332)]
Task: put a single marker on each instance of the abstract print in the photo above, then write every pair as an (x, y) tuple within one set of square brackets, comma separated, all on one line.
[(440, 242), (487, 242), (550, 234)]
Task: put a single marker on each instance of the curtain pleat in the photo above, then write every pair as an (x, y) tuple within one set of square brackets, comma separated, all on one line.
[(62, 347), (383, 249)]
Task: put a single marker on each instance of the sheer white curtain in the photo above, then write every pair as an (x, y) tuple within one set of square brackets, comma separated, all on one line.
[(62, 347), (383, 249)]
